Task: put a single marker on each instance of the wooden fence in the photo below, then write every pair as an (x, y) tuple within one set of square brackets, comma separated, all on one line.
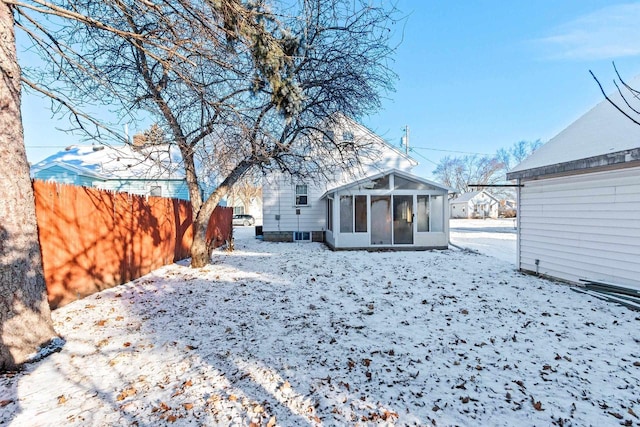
[(93, 239)]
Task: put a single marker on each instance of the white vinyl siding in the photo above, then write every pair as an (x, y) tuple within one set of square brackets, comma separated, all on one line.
[(279, 209), (583, 226)]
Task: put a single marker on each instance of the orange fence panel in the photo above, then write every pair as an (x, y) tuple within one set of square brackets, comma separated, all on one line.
[(93, 239)]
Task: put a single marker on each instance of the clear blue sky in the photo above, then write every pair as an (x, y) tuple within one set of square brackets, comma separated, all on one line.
[(475, 76)]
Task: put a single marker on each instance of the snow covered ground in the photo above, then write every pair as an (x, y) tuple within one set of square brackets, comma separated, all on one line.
[(493, 237), (295, 334)]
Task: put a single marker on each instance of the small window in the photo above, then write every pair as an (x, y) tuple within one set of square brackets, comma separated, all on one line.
[(238, 210), (301, 236), (156, 190), (302, 197)]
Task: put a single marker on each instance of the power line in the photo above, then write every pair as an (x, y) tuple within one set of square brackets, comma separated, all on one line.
[(428, 160)]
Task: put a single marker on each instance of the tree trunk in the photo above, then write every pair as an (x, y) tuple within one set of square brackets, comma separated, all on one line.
[(200, 247), (25, 318)]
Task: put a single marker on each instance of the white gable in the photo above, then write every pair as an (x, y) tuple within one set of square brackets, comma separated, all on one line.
[(602, 130)]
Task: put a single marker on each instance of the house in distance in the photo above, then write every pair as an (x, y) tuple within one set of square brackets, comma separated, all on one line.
[(475, 204)]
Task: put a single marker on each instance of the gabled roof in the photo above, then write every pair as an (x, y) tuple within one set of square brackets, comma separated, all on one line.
[(348, 122), (465, 197), (122, 162), (601, 137), (362, 183)]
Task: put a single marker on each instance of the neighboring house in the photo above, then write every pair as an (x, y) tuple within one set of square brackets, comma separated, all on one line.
[(579, 201), (378, 205), (154, 171), (474, 204)]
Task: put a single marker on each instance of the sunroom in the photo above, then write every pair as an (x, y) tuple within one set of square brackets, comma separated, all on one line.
[(389, 210)]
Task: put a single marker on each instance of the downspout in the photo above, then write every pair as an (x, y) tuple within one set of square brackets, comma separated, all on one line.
[(519, 189)]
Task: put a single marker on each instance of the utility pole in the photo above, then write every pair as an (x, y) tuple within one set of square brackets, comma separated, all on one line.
[(405, 139)]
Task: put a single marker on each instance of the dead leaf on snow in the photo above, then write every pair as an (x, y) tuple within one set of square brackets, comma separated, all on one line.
[(187, 406), (272, 422), (62, 399), (616, 415), (537, 405), (101, 322), (4, 403), (130, 391), (387, 415), (630, 411)]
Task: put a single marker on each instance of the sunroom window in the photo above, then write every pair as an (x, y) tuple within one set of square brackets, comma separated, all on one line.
[(346, 214), (423, 213)]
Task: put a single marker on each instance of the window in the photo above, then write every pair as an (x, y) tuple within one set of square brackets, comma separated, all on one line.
[(346, 214), (301, 236), (330, 214), (437, 213), (361, 214), (302, 197), (238, 210), (423, 213), (381, 183), (353, 207), (347, 136), (155, 190), (405, 184)]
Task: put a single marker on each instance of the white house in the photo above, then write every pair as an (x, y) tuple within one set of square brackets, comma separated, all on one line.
[(377, 205), (579, 201), (154, 171), (474, 204)]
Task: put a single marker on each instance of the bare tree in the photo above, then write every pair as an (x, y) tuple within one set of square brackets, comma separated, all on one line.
[(510, 157), (245, 191), (223, 77), (469, 172), (628, 102), (25, 320), (154, 42), (474, 172)]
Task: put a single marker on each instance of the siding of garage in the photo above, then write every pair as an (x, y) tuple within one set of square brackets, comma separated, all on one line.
[(582, 226)]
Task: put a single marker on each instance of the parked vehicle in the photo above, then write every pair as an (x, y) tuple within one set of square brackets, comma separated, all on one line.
[(245, 220)]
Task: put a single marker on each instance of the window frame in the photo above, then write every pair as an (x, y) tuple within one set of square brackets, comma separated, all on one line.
[(299, 195)]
